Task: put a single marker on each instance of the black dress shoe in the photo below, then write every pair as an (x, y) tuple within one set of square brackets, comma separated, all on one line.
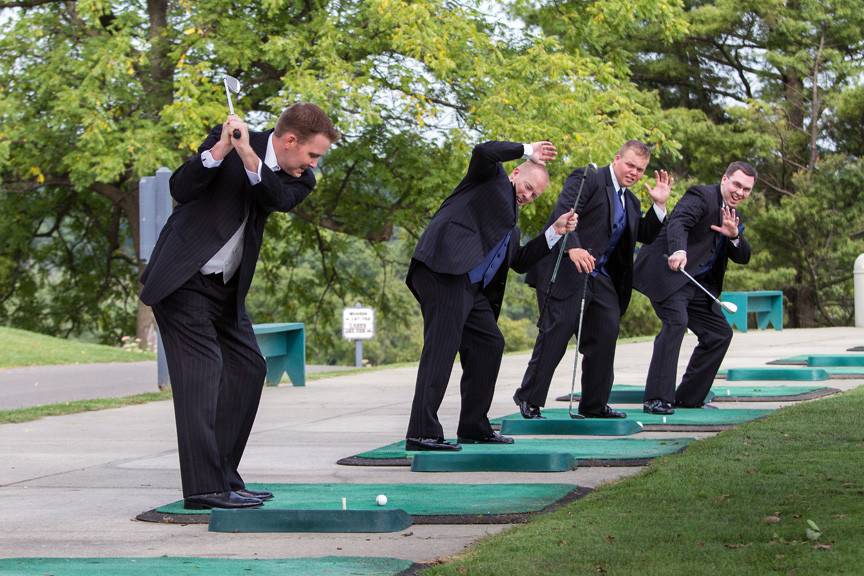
[(494, 438), (229, 499), (605, 412), (430, 444), (260, 494), (527, 410), (657, 406)]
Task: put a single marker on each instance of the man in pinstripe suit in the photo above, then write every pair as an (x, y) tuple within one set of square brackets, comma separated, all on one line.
[(197, 280), (458, 274)]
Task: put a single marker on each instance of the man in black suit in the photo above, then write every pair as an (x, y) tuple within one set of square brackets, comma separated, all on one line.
[(197, 279), (458, 274), (602, 248), (704, 229)]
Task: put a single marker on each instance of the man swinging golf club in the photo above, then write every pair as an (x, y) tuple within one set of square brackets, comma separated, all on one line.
[(458, 274), (703, 232), (197, 280)]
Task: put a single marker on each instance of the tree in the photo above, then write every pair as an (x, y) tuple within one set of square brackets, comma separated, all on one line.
[(96, 94)]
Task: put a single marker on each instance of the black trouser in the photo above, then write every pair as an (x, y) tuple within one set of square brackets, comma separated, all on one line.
[(690, 308), (560, 322), (457, 317), (217, 374)]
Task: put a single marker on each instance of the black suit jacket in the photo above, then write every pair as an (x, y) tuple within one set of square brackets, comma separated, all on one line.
[(689, 229), (210, 205), (471, 221), (596, 217)]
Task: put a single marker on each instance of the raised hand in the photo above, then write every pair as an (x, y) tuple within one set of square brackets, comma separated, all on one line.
[(729, 227), (543, 152), (662, 187)]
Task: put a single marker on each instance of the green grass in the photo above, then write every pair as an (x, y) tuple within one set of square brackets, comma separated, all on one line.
[(22, 348), (73, 407), (734, 504)]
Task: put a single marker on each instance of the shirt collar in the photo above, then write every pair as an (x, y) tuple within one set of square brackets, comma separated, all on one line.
[(614, 180), (270, 155)]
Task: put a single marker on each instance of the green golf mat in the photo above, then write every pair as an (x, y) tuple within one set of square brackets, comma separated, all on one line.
[(823, 360), (727, 394), (587, 452), (426, 503), (790, 374), (180, 566), (683, 420), (793, 374)]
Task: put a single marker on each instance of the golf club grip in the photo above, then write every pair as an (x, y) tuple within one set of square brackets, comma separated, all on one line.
[(236, 133)]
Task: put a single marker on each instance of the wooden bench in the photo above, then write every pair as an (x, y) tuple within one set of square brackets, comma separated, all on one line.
[(766, 304), (283, 345)]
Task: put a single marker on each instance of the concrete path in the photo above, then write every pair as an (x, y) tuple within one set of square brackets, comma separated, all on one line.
[(72, 485), (38, 385)]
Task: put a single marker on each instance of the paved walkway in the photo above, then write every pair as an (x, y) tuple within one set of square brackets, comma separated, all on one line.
[(34, 386), (71, 485)]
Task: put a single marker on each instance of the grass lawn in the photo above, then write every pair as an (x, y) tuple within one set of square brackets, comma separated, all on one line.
[(75, 406), (735, 504), (23, 348)]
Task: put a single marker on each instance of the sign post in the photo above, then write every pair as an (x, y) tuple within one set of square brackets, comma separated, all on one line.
[(358, 324)]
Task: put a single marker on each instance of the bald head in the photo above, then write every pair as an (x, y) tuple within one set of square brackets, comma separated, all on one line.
[(529, 179)]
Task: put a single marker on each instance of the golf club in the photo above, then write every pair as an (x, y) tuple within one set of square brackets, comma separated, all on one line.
[(578, 342), (591, 167), (728, 306), (231, 85)]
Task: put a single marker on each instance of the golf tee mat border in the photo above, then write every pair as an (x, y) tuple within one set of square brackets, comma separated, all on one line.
[(426, 503), (588, 452), (631, 394)]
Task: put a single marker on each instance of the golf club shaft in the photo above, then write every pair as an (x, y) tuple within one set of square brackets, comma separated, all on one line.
[(236, 132), (578, 343), (696, 282)]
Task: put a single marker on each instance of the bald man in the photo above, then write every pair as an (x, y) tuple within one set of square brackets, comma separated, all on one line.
[(458, 274)]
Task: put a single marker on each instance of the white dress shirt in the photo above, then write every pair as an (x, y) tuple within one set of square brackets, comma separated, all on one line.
[(227, 259)]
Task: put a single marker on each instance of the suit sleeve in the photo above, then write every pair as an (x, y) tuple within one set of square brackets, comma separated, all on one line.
[(486, 156), (524, 257), (739, 254), (649, 227), (687, 213), (281, 193), (188, 182), (568, 197)]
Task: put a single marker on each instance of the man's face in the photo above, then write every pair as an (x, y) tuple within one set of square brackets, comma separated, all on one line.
[(295, 156), (629, 167), (736, 188), (528, 184)]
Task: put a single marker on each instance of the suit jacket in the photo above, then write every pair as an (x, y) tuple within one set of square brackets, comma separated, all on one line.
[(210, 204), (596, 216), (474, 218), (689, 228)]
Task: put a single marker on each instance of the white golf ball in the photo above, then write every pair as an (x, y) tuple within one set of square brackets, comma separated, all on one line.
[(381, 500)]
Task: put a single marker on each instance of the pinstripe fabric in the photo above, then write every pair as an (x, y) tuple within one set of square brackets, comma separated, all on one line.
[(607, 298), (459, 316), (217, 372)]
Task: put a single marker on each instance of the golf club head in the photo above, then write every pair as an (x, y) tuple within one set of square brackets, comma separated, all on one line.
[(231, 83), (730, 307)]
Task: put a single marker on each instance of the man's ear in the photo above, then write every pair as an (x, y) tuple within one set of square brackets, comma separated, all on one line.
[(289, 139)]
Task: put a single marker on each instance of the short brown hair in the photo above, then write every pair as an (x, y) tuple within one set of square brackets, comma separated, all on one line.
[(640, 148), (744, 167), (304, 120)]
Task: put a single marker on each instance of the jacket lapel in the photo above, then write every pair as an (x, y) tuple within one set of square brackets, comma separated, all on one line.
[(610, 198)]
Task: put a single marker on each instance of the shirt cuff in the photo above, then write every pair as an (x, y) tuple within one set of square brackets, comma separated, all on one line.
[(552, 237), (208, 160), (528, 151), (254, 177), (735, 242), (679, 252), (660, 212)]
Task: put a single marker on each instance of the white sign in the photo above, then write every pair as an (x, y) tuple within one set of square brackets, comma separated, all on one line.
[(358, 323)]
